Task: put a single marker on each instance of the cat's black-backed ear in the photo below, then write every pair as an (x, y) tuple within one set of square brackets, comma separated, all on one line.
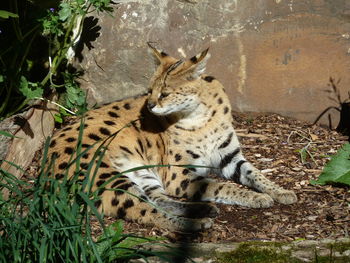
[(193, 67)]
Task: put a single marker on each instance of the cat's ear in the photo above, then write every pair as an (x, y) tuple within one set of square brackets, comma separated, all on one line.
[(194, 67), (162, 57)]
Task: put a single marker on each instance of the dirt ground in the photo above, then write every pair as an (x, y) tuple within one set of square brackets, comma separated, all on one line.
[(275, 144), (290, 153)]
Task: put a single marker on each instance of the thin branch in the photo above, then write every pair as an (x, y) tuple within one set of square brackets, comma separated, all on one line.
[(55, 103)]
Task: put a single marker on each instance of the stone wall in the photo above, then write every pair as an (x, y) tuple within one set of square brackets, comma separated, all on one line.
[(271, 55)]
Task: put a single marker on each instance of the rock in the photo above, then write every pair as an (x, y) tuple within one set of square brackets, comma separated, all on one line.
[(31, 129), (271, 56)]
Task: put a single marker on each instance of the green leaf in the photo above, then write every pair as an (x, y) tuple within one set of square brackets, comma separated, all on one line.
[(65, 11), (30, 90), (1, 78), (7, 134), (6, 14), (337, 170), (58, 118)]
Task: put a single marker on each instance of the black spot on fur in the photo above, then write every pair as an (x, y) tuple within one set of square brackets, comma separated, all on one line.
[(85, 145), (67, 129), (148, 190), (55, 155), (118, 182), (100, 182), (173, 177), (113, 114), (176, 142), (115, 202), (101, 190), (213, 113), (53, 143), (184, 184), (62, 135), (104, 131), (84, 166), (177, 191), (104, 165), (127, 106), (105, 175), (109, 122), (125, 186), (178, 157), (237, 173), (68, 150), (121, 213), (227, 141), (185, 171), (90, 118), (59, 176), (154, 211), (94, 136), (209, 78), (193, 155), (85, 155), (115, 107), (70, 139), (98, 203), (78, 128), (194, 59), (228, 158), (220, 100), (148, 143), (128, 203), (143, 212), (216, 192), (202, 189), (226, 110), (163, 54), (63, 165)]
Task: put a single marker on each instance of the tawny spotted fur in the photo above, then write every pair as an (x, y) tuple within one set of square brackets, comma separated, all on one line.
[(186, 119)]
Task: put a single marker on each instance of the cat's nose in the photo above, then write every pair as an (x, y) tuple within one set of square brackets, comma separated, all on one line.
[(151, 105)]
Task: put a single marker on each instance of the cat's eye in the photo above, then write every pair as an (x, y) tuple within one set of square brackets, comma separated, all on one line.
[(163, 95)]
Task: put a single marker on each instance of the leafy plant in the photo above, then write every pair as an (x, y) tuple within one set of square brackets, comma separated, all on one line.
[(26, 73), (50, 221), (337, 170)]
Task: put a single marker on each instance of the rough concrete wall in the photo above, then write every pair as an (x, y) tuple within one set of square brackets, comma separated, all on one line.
[(271, 55)]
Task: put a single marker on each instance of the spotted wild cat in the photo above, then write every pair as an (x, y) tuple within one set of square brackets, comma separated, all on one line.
[(186, 119)]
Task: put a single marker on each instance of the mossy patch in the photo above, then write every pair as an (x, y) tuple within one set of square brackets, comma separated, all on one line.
[(258, 252), (339, 246), (273, 252)]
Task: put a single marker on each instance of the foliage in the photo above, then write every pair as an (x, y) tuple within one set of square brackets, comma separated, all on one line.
[(337, 169), (34, 43), (51, 222)]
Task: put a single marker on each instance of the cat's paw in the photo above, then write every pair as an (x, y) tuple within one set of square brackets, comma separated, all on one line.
[(258, 200), (283, 196)]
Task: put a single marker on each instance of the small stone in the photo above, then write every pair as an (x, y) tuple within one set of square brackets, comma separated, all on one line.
[(267, 171), (312, 218), (265, 159)]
